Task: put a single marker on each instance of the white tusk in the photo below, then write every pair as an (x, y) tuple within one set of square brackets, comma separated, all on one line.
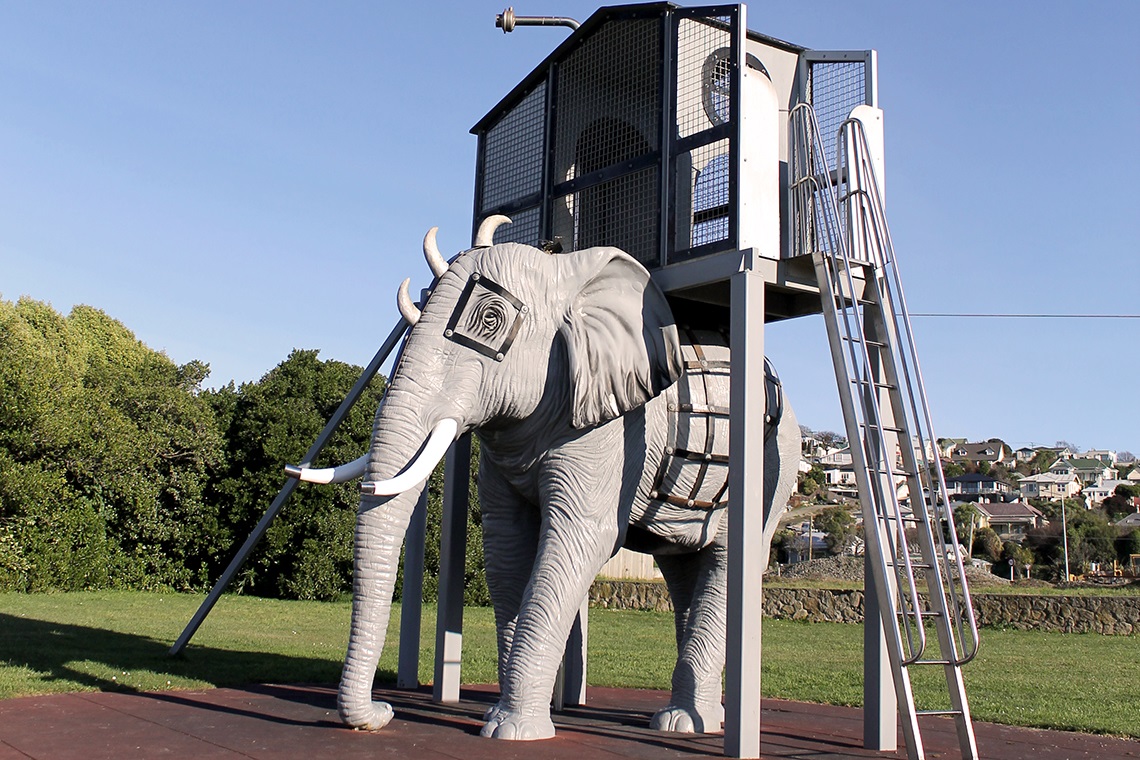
[(409, 310), (434, 258), (342, 474), (486, 234), (441, 438)]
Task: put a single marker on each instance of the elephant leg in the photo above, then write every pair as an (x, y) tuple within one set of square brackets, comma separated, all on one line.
[(510, 543), (572, 549), (697, 585)]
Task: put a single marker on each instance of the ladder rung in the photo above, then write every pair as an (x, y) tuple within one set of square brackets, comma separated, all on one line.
[(938, 712), (885, 428), (934, 662), (886, 386), (921, 613), (875, 343)]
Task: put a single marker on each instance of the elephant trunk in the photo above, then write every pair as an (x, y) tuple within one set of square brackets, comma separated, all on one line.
[(400, 436), (380, 530)]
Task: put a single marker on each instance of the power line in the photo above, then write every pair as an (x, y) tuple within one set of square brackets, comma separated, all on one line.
[(1026, 316)]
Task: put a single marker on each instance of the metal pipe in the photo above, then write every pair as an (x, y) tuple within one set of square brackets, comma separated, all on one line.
[(507, 21)]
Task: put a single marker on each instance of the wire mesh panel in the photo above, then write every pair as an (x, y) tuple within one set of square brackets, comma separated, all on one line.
[(702, 163), (626, 136), (710, 194), (609, 98), (704, 71), (833, 84), (834, 88), (513, 152), (607, 138), (524, 228), (622, 212)]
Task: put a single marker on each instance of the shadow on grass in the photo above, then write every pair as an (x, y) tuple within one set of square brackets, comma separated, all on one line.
[(70, 658)]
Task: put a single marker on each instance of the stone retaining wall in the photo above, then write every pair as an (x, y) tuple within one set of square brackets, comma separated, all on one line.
[(1112, 615)]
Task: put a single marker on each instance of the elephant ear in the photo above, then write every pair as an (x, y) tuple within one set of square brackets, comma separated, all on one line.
[(620, 337)]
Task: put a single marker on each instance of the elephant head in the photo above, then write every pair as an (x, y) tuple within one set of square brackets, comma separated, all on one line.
[(510, 338)]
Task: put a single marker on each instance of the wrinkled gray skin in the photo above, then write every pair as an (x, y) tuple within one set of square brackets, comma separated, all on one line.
[(572, 422)]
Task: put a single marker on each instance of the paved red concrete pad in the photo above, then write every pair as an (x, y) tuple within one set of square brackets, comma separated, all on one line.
[(287, 722)]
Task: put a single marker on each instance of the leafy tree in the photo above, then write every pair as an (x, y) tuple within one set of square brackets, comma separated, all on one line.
[(952, 469), (839, 525), (987, 544), (307, 551), (1042, 460), (965, 522), (1127, 491), (1018, 554), (1117, 505), (814, 482), (1128, 544), (106, 447), (1091, 539)]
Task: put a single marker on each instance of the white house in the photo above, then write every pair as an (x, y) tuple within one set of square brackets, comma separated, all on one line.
[(1099, 492), (1049, 485), (1104, 455), (1090, 471)]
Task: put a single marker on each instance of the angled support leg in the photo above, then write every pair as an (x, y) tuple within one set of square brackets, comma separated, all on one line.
[(290, 485)]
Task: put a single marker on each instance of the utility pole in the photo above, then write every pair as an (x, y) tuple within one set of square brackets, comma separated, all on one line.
[(1065, 533)]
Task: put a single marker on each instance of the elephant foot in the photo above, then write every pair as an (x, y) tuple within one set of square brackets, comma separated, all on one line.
[(373, 718), (689, 720), (503, 723)]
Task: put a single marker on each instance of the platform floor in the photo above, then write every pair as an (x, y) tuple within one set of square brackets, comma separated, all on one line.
[(300, 723)]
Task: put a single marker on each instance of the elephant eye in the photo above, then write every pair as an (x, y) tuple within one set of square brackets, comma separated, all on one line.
[(487, 318)]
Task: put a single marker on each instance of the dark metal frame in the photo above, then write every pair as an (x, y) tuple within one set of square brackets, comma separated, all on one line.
[(665, 152), (461, 305)]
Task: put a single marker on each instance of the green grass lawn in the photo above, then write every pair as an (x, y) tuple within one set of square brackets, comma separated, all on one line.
[(119, 640)]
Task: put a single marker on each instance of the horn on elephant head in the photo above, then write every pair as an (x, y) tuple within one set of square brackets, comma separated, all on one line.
[(417, 471), (408, 310), (434, 258), (485, 236)]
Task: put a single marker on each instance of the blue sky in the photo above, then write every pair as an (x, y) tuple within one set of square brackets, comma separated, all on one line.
[(233, 180)]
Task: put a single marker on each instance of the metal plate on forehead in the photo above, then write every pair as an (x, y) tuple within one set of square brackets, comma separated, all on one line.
[(487, 318)]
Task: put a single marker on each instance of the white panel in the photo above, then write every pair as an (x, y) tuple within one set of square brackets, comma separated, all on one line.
[(759, 165)]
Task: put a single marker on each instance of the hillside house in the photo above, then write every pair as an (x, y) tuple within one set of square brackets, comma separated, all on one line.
[(1049, 485), (1096, 494), (1104, 455), (1025, 454), (974, 486), (1010, 520), (992, 452), (1129, 521), (1089, 471)]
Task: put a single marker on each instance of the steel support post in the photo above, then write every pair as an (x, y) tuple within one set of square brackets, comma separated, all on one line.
[(452, 562), (880, 709), (745, 517), (880, 700), (570, 686), (412, 598)]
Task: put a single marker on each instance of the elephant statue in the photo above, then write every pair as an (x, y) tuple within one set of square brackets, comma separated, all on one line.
[(602, 423)]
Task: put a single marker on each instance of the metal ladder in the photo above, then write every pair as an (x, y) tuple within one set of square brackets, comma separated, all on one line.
[(838, 218)]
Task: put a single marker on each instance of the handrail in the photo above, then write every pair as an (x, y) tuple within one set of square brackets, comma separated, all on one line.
[(818, 230), (854, 157)]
